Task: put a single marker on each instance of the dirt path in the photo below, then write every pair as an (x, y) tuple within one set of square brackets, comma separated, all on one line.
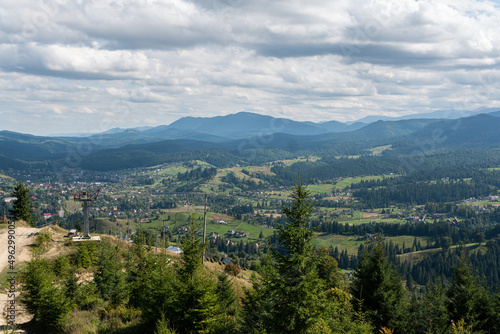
[(24, 236)]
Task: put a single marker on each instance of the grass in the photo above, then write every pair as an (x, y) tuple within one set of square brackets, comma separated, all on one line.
[(320, 189), (2, 176), (7, 273), (379, 149), (416, 257), (353, 180), (351, 243), (179, 219)]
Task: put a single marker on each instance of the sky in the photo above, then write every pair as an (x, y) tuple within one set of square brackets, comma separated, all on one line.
[(76, 66)]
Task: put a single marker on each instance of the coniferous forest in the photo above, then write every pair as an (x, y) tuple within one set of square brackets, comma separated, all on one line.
[(297, 289)]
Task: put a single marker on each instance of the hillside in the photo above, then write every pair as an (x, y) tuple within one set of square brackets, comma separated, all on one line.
[(243, 138)]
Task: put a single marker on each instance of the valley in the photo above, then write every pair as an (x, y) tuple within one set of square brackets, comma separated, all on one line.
[(429, 201)]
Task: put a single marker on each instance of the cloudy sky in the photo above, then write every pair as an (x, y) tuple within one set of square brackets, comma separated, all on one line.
[(71, 66)]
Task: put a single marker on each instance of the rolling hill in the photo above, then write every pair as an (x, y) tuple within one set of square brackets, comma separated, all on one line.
[(239, 138)]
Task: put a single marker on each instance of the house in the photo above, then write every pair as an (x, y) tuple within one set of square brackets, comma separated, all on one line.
[(9, 199), (47, 216), (231, 232), (174, 249)]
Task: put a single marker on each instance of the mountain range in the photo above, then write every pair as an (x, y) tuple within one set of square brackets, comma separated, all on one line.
[(232, 138)]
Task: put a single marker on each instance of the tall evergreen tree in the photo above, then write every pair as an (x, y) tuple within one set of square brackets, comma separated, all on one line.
[(378, 290), (195, 307), (22, 207), (290, 297), (42, 298), (468, 300), (108, 274)]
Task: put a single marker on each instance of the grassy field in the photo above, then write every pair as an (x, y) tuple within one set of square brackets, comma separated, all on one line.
[(320, 189), (7, 273), (351, 243), (353, 180), (179, 219), (6, 177), (379, 149), (289, 162), (416, 257)]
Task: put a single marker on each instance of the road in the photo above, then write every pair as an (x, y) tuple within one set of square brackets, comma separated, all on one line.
[(61, 212), (24, 236)]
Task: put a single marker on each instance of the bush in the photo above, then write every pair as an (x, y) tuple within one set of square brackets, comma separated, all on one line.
[(232, 269), (42, 241)]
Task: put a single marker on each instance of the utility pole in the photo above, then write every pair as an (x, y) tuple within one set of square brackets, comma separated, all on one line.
[(205, 220), (204, 228)]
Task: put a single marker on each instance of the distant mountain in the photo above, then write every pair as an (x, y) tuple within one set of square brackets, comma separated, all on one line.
[(245, 137), (31, 148), (439, 114), (470, 132), (110, 131), (245, 124), (335, 126), (379, 130)]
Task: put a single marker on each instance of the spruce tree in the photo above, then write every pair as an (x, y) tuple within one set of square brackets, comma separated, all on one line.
[(378, 290), (22, 207), (109, 276), (42, 298), (290, 297), (468, 300), (194, 307)]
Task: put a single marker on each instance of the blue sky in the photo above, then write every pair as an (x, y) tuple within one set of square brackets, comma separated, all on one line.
[(71, 66)]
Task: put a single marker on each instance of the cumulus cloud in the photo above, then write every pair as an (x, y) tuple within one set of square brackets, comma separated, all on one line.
[(88, 65)]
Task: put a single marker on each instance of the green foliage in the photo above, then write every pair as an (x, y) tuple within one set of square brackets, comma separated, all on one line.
[(163, 326), (428, 314), (467, 299), (290, 297), (446, 243), (194, 307), (328, 269), (108, 274), (42, 298), (86, 254), (42, 242), (460, 328), (62, 266), (232, 269), (192, 253), (378, 290), (22, 207)]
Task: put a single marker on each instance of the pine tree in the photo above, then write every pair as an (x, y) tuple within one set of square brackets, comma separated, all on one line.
[(42, 298), (22, 207), (108, 275), (290, 297), (378, 290), (467, 299), (194, 307)]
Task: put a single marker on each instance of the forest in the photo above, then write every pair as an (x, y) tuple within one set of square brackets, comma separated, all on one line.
[(298, 288)]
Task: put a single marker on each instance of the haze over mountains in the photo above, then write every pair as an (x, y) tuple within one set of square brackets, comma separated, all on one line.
[(237, 136)]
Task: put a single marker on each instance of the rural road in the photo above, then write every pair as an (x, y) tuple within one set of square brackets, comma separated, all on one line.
[(24, 236)]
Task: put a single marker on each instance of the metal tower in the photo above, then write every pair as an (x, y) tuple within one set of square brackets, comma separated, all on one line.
[(85, 198)]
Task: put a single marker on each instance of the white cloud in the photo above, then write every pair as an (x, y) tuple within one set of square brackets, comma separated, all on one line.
[(79, 64)]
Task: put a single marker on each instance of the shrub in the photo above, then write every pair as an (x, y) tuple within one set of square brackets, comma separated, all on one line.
[(232, 269)]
